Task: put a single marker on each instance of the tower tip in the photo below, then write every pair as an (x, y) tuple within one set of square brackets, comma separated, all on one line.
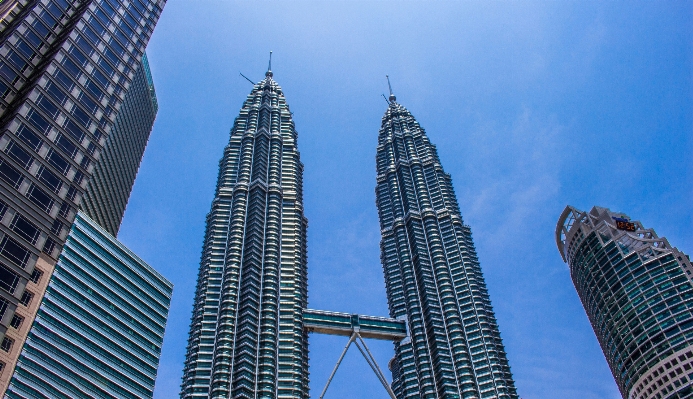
[(392, 96), (269, 67)]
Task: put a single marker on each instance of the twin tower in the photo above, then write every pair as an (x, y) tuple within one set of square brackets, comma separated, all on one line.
[(250, 322)]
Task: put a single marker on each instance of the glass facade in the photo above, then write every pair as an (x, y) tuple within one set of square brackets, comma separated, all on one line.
[(65, 66), (246, 335), (109, 189), (99, 329), (636, 290), (432, 274)]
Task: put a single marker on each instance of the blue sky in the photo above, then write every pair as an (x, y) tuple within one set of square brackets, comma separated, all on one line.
[(533, 106)]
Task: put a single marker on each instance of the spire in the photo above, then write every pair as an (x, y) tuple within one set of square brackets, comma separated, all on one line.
[(392, 96), (269, 67)]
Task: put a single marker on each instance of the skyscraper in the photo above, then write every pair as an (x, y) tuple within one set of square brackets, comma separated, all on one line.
[(432, 274), (636, 290), (99, 329), (65, 66), (246, 335), (109, 189)]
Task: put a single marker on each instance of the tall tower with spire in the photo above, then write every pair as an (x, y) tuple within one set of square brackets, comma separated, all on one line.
[(246, 336), (432, 273)]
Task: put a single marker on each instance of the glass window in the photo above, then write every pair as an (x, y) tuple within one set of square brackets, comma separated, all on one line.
[(48, 19), (24, 228), (100, 77), (66, 145), (58, 161), (64, 80), (49, 246), (81, 116), (88, 103), (6, 344), (106, 67), (36, 275), (16, 60), (93, 37), (111, 55), (38, 121), (48, 106), (57, 227), (94, 89), (72, 68), (16, 321), (84, 46), (40, 198), (7, 72), (10, 175), (25, 49), (15, 252), (50, 179), (81, 59), (27, 296), (17, 153), (3, 308), (54, 10), (41, 28), (32, 38), (74, 130), (55, 92), (8, 279)]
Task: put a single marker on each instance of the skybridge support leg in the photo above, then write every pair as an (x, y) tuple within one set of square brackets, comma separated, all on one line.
[(369, 359), (351, 339)]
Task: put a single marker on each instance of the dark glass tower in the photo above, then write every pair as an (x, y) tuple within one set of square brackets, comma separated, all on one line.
[(246, 334), (65, 66), (109, 189), (432, 274), (636, 289)]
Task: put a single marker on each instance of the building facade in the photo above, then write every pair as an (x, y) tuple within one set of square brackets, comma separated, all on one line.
[(432, 274), (636, 290), (246, 336), (65, 66), (114, 175), (99, 329)]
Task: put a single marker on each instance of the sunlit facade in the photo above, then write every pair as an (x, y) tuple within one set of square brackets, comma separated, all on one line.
[(247, 338), (65, 67), (432, 274)]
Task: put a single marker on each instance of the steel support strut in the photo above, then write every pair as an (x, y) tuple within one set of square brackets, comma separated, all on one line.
[(369, 359)]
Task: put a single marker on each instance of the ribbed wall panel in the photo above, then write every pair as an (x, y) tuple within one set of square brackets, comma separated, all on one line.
[(432, 274), (246, 335)]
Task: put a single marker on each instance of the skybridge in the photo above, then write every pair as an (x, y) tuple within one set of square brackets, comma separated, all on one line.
[(356, 327)]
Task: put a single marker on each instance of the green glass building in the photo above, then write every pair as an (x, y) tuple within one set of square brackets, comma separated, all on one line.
[(99, 329), (636, 290), (432, 274)]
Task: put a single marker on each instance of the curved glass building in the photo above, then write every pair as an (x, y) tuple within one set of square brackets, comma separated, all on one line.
[(432, 274), (636, 290), (246, 336)]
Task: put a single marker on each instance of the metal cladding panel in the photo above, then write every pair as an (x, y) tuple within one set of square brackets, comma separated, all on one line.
[(100, 326), (432, 274), (246, 334), (637, 292), (109, 189)]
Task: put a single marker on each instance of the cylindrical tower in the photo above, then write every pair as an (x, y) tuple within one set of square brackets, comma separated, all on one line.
[(636, 290)]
